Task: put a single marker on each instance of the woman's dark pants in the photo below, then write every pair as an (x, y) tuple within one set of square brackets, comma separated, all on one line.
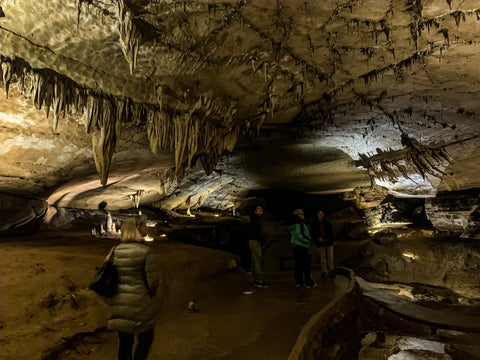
[(302, 266), (125, 347)]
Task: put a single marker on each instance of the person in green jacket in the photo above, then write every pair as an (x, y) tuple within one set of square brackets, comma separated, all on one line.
[(300, 242)]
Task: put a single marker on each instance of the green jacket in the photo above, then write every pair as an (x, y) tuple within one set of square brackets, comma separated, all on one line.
[(296, 235)]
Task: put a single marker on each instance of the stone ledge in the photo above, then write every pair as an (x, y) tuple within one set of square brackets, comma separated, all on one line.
[(311, 341)]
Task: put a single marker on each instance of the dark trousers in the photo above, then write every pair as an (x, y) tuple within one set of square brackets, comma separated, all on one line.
[(126, 341), (302, 265)]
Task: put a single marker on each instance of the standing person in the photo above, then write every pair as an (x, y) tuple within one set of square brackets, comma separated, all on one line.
[(133, 307), (256, 244), (300, 241), (322, 235)]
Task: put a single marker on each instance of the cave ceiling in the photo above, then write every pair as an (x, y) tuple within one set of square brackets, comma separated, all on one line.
[(196, 101)]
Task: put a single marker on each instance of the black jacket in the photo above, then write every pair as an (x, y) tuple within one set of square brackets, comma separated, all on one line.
[(315, 231), (256, 229)]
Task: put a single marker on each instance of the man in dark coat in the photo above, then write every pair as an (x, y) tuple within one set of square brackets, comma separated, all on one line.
[(322, 235), (256, 244)]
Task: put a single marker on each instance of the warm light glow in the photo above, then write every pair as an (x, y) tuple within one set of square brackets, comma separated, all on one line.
[(216, 215), (410, 255), (148, 238), (163, 235)]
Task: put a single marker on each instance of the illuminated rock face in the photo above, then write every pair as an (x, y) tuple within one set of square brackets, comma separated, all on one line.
[(315, 96)]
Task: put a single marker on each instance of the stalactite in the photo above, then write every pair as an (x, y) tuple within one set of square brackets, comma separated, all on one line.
[(130, 37), (193, 140), (137, 197), (265, 71), (79, 9), (181, 124), (422, 159), (458, 15), (385, 28), (7, 75), (92, 112), (104, 138), (159, 93), (299, 94), (444, 32)]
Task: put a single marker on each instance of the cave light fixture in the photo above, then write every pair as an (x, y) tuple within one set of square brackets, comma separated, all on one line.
[(148, 238), (409, 255)]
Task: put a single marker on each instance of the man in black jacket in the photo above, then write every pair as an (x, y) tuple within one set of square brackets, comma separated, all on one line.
[(256, 243), (322, 235)]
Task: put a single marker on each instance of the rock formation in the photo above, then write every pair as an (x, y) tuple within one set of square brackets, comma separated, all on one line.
[(316, 96)]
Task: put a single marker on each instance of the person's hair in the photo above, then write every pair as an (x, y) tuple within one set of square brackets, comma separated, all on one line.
[(295, 219), (256, 206), (141, 219), (130, 231), (315, 217)]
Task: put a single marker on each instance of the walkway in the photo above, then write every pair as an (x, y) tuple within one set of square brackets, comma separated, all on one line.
[(44, 299)]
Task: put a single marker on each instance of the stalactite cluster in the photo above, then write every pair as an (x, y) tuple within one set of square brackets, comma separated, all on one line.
[(104, 114), (384, 165), (425, 159), (415, 157), (48, 89), (205, 131), (130, 37)]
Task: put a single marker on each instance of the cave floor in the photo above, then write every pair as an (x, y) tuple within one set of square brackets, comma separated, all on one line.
[(47, 311)]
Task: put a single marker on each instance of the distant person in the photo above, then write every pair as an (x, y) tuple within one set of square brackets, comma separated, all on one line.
[(322, 235), (133, 307), (256, 244), (300, 241)]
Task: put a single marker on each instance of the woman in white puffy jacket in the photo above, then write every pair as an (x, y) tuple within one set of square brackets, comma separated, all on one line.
[(134, 306)]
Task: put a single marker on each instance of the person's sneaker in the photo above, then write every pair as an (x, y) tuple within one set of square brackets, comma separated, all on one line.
[(248, 292), (309, 286), (324, 275), (261, 284), (299, 285)]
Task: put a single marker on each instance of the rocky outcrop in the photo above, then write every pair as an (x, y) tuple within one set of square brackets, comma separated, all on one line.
[(21, 216), (456, 212), (422, 256)]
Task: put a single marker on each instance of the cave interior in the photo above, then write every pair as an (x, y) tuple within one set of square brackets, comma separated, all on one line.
[(193, 112)]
